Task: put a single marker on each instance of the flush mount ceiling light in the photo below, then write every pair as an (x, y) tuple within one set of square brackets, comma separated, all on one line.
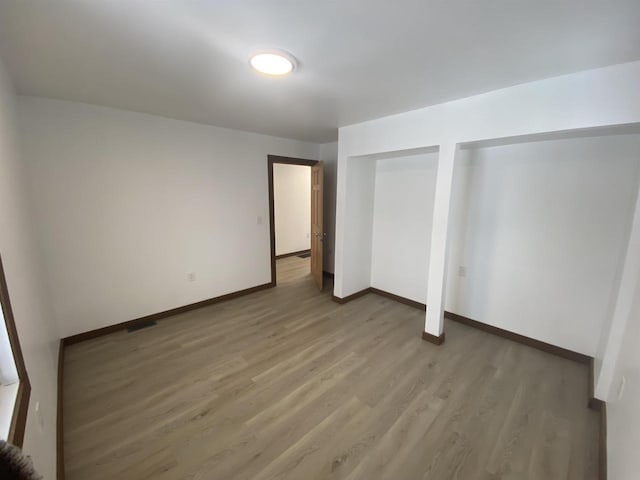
[(273, 63)]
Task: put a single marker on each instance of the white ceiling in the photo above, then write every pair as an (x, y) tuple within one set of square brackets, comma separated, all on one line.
[(359, 59)]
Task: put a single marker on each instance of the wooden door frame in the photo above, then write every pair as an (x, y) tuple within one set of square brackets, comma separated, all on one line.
[(21, 406), (271, 159)]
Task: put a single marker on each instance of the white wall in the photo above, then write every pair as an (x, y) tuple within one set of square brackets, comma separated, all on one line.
[(403, 211), (360, 189), (541, 228), (29, 296), (588, 99), (129, 204), (329, 157), (594, 98), (613, 334), (623, 420), (292, 207)]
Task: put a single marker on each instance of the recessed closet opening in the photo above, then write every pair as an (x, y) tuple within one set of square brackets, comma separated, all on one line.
[(389, 221), (538, 231)]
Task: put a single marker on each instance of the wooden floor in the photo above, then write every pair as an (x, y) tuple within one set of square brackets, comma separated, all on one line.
[(292, 269), (284, 383)]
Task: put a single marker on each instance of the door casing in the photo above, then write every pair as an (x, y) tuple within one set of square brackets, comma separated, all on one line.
[(271, 159)]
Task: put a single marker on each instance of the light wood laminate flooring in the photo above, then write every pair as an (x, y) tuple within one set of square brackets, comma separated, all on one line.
[(286, 384)]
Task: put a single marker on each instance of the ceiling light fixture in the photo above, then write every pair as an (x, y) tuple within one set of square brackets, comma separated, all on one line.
[(273, 63)]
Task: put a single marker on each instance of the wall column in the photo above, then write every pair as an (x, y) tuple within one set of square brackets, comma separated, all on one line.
[(434, 323)]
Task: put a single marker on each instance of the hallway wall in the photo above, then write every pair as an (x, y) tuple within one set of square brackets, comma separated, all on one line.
[(292, 207)]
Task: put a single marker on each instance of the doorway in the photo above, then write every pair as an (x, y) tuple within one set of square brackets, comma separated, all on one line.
[(295, 217)]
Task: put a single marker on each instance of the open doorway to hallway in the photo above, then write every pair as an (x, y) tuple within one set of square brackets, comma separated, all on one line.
[(295, 200), (292, 212)]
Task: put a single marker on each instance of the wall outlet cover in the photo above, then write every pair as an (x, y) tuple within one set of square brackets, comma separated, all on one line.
[(623, 383), (39, 416)]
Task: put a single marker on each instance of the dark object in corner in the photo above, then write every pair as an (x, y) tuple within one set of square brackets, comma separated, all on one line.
[(14, 465), (140, 326)]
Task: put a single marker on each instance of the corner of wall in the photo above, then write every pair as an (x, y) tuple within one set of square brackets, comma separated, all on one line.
[(29, 298)]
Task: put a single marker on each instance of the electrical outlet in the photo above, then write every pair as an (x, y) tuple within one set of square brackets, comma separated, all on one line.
[(191, 276), (462, 271), (39, 416), (623, 383)]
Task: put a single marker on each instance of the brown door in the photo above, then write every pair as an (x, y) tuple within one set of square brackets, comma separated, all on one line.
[(317, 232)]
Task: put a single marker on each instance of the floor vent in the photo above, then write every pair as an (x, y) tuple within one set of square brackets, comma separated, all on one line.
[(141, 325)]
